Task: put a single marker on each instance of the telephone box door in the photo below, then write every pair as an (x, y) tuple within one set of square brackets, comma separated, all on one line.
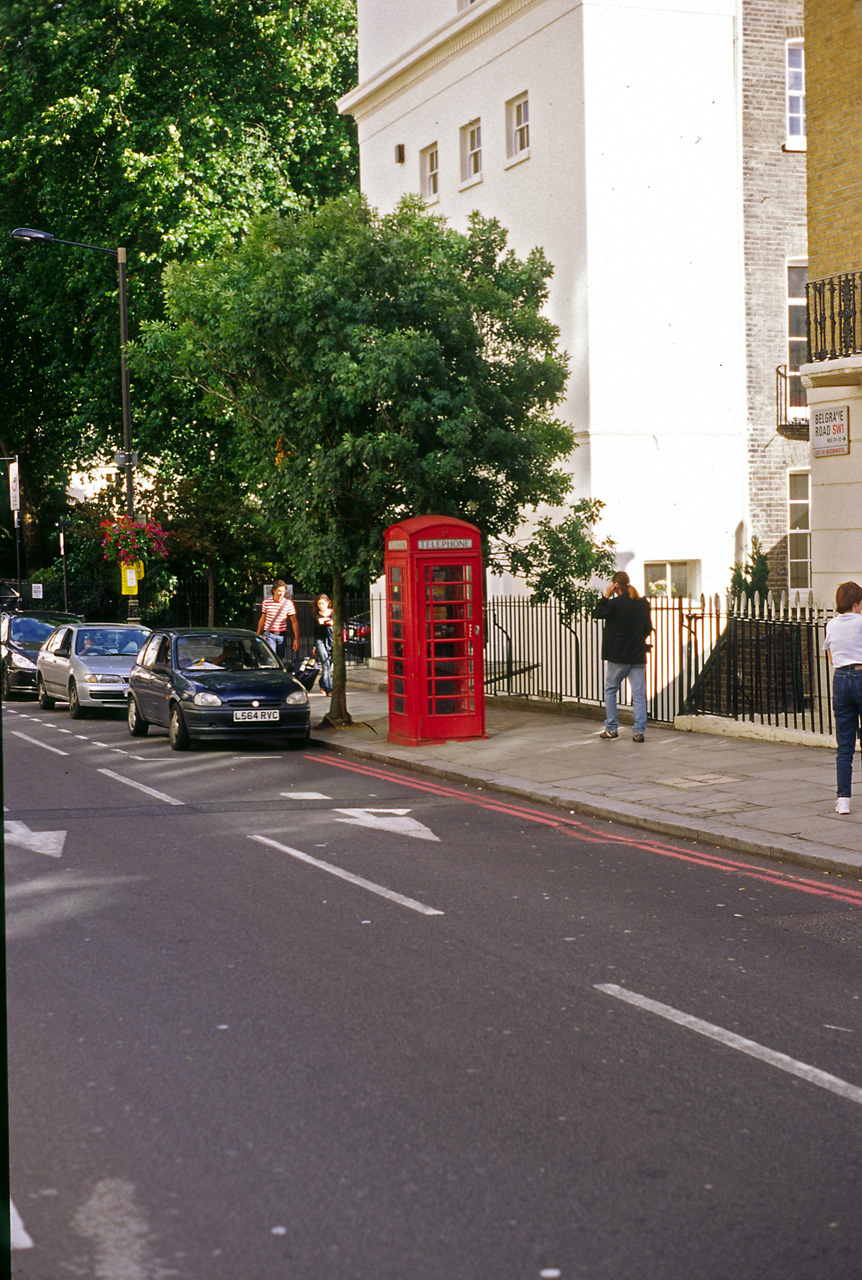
[(451, 646), (435, 630)]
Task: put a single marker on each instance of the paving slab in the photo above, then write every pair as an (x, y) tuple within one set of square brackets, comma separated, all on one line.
[(772, 799)]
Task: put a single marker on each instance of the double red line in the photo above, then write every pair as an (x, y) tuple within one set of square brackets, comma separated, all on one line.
[(571, 826)]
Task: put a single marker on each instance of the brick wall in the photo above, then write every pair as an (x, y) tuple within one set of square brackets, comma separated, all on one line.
[(833, 53), (774, 212)]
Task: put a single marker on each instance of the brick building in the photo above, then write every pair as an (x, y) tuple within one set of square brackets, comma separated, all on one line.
[(773, 174), (833, 375), (656, 152)]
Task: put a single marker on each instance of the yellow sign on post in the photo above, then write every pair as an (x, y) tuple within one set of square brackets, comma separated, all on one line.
[(139, 569), (129, 579)]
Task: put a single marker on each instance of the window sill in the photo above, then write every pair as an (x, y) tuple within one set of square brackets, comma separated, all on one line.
[(795, 144), (471, 182), (518, 159), (435, 199)]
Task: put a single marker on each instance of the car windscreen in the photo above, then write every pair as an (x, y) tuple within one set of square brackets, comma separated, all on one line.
[(32, 630), (223, 653), (109, 642)]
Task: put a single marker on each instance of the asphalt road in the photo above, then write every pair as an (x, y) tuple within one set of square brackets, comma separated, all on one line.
[(276, 1016)]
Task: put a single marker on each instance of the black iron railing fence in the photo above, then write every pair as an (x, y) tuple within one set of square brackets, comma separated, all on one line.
[(764, 664), (760, 661), (835, 316), (791, 404)]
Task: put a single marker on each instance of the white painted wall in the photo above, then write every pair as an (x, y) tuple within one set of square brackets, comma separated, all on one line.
[(632, 188), (388, 28), (836, 482)]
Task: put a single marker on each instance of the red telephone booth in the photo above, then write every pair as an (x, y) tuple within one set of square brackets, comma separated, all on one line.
[(434, 630)]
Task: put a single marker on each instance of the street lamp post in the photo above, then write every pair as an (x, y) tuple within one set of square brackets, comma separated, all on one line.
[(63, 526), (28, 235)]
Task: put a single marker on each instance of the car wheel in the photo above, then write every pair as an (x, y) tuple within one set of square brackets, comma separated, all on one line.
[(138, 726), (6, 691), (45, 702), (76, 711), (178, 734)]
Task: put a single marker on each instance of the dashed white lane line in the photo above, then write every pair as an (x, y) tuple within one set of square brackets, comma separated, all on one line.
[(18, 1237), (792, 1066), (349, 876), (37, 743), (140, 786), (305, 795)]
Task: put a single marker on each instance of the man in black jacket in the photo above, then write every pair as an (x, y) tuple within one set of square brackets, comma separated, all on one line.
[(628, 622)]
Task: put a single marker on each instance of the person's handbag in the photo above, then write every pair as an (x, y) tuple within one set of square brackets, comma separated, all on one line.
[(308, 671)]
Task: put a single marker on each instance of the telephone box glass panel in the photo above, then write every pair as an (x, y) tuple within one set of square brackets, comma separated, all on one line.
[(449, 667)]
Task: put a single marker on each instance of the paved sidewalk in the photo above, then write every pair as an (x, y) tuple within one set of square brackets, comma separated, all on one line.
[(771, 799)]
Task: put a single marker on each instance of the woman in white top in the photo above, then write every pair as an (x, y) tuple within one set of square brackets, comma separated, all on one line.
[(844, 646)]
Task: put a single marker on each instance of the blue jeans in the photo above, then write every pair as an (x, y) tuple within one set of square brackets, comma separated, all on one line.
[(324, 657), (847, 705), (615, 674), (275, 640)]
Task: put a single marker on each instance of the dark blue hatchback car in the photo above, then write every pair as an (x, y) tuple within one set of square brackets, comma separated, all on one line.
[(215, 682)]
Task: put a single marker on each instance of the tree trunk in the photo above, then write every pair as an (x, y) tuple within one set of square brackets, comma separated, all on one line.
[(210, 576), (338, 713)]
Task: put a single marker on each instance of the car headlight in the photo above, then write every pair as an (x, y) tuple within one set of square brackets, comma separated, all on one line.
[(296, 698), (18, 660), (207, 700), (95, 678)]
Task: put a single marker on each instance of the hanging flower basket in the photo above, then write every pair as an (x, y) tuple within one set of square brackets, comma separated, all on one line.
[(126, 542)]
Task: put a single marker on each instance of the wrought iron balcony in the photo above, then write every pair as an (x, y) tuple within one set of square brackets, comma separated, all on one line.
[(835, 317), (791, 405)]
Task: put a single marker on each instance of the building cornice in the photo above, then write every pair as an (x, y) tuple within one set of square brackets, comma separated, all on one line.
[(840, 372), (467, 28)]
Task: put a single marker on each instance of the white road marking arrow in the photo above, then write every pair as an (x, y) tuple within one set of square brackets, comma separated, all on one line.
[(49, 842), (18, 1236), (394, 820)]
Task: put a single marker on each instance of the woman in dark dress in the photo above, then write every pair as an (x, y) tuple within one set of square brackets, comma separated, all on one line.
[(323, 640)]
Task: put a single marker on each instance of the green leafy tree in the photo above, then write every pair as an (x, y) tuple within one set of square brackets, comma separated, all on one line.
[(375, 366), (561, 560), (751, 579), (164, 126), (218, 530)]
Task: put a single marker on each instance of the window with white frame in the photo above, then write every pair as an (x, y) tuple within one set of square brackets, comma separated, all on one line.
[(799, 530), (471, 152), (429, 172), (673, 578), (797, 335), (795, 97), (518, 127), (465, 4)]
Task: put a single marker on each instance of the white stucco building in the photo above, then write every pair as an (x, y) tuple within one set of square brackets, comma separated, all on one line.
[(612, 135)]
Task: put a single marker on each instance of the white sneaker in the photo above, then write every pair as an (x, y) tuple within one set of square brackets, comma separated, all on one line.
[(842, 804)]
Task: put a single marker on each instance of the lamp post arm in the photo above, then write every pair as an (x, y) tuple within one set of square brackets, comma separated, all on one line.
[(77, 244)]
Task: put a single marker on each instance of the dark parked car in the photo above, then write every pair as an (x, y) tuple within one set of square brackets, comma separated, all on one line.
[(215, 683), (21, 637)]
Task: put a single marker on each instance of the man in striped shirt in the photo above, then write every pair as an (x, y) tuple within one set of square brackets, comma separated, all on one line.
[(273, 619)]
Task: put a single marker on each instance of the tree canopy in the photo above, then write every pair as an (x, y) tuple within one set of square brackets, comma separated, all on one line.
[(374, 366), (164, 126)]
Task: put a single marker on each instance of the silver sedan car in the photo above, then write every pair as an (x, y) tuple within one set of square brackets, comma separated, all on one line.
[(87, 664)]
